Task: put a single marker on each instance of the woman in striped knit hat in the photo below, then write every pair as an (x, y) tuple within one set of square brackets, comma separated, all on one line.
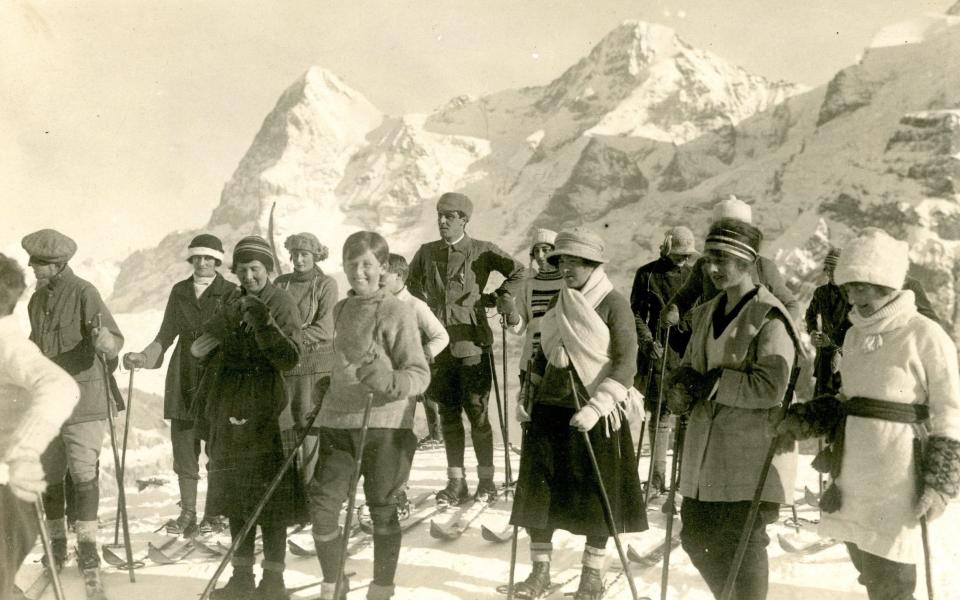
[(535, 296)]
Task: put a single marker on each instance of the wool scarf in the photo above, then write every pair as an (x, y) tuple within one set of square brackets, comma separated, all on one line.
[(893, 315)]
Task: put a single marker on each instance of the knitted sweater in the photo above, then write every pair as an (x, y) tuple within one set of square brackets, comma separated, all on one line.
[(315, 294), (433, 335), (535, 296), (36, 396), (896, 355), (382, 328)]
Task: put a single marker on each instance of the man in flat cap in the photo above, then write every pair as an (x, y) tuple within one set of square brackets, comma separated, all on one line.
[(450, 275), (73, 327), (192, 302)]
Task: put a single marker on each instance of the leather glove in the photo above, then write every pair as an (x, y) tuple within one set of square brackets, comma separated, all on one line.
[(134, 360), (931, 504), (678, 400), (585, 418), (254, 312), (671, 316), (376, 376), (821, 340), (26, 478), (655, 350)]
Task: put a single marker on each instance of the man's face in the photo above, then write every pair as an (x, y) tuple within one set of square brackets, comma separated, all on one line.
[(679, 259), (302, 261), (451, 224), (363, 273), (204, 266), (252, 275), (44, 270)]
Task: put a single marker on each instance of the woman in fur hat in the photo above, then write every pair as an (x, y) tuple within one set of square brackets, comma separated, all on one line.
[(732, 380), (315, 294), (588, 340), (894, 429)]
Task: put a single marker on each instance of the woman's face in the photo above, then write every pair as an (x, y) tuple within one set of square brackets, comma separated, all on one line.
[(867, 298), (575, 271), (252, 275), (302, 261), (204, 266), (725, 270), (363, 273), (539, 254)]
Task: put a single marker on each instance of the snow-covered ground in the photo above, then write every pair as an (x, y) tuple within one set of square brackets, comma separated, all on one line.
[(472, 568)]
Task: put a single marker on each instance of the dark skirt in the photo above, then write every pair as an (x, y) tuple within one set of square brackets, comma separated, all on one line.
[(557, 488), (246, 450)]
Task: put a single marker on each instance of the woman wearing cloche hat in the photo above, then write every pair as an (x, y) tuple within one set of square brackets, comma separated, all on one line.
[(894, 428), (580, 381)]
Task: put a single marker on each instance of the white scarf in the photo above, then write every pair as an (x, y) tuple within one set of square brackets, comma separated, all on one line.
[(891, 316), (573, 332)]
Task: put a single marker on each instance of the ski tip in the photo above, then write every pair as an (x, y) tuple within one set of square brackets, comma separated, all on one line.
[(632, 554), (496, 536)]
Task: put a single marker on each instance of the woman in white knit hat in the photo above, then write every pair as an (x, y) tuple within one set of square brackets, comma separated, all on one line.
[(894, 452), (732, 381), (580, 381), (535, 295)]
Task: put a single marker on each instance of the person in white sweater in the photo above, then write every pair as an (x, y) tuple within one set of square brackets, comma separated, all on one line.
[(894, 429), (433, 336), (36, 397)]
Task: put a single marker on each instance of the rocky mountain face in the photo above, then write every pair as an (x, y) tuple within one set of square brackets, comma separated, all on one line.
[(643, 133)]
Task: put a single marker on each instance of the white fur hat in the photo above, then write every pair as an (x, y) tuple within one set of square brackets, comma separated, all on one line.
[(874, 257), (544, 236), (733, 208)]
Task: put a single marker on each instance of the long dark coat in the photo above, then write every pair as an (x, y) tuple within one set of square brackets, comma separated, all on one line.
[(244, 395), (184, 315)]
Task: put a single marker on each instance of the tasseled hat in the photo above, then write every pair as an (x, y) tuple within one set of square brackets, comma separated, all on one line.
[(253, 247), (307, 242), (734, 237), (733, 208), (874, 257), (205, 244)]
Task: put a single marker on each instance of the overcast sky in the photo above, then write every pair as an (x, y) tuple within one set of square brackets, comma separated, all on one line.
[(121, 120)]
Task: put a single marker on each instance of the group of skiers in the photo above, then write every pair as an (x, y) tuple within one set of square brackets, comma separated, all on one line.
[(282, 367)]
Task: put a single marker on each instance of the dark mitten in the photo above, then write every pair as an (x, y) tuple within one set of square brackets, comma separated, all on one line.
[(941, 465), (818, 417), (678, 400), (697, 385), (255, 313)]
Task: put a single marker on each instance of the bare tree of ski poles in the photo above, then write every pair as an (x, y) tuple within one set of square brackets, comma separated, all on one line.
[(251, 521), (527, 406), (670, 506), (117, 464), (655, 424), (924, 530), (758, 493), (48, 549), (604, 499)]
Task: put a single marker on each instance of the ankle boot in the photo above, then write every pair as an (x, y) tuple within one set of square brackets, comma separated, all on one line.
[(380, 592), (240, 586), (271, 586), (591, 585), (536, 584)]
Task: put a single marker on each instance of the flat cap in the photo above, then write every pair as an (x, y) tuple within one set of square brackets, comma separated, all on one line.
[(49, 245), (455, 201)]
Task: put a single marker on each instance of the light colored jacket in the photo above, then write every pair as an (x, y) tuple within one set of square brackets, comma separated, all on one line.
[(729, 434), (433, 335)]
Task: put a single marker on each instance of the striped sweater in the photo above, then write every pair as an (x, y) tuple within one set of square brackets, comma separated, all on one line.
[(535, 295)]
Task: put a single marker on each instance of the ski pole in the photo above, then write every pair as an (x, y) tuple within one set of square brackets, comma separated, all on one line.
[(251, 522), (734, 571), (508, 472), (604, 499), (669, 507), (117, 467), (506, 400), (655, 424), (523, 443), (352, 498), (924, 531), (123, 452), (48, 549)]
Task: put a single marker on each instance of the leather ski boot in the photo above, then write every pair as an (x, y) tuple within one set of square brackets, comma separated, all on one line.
[(536, 584), (239, 587), (591, 585), (271, 587), (185, 524), (486, 491), (454, 494)]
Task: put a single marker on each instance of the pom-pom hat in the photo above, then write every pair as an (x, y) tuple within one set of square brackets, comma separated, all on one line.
[(874, 257), (580, 242), (733, 208)]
